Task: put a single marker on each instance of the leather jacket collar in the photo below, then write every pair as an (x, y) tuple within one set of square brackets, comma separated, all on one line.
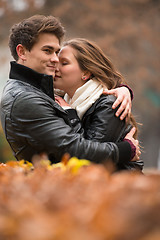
[(41, 81)]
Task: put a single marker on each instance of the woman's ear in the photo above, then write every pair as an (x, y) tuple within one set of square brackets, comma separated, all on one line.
[(21, 52), (86, 76)]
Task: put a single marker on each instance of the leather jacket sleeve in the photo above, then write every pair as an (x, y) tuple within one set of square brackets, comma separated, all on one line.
[(44, 130), (100, 122)]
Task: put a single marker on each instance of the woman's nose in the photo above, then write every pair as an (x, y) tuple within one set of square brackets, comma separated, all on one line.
[(57, 67)]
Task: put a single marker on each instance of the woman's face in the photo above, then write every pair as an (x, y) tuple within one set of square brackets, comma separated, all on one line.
[(68, 76)]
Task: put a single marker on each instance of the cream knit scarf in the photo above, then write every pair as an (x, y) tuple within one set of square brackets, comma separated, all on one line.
[(85, 96)]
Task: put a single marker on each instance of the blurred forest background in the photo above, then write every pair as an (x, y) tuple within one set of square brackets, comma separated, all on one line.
[(128, 31)]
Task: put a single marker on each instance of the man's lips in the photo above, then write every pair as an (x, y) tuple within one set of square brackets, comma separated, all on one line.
[(52, 67)]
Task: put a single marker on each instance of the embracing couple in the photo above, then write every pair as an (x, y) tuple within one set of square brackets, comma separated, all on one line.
[(88, 122)]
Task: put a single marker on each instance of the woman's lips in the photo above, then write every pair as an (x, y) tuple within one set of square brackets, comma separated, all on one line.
[(57, 76)]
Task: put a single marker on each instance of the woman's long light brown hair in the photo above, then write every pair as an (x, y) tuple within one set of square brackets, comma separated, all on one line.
[(91, 59)]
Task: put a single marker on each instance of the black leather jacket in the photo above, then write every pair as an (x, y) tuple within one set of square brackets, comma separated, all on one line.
[(100, 124), (33, 122)]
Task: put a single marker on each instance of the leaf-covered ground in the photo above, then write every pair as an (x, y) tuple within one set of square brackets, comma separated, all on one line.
[(74, 202)]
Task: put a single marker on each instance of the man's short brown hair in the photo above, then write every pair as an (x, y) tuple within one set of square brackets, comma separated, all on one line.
[(27, 31)]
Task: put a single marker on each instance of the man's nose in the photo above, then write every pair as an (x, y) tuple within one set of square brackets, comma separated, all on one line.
[(55, 58)]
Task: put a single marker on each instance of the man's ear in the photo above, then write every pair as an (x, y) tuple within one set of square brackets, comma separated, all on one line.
[(21, 52)]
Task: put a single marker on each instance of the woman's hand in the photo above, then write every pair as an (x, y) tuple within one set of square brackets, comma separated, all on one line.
[(135, 143), (61, 101), (124, 98)]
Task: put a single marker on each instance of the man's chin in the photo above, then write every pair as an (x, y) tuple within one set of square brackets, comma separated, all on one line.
[(51, 73)]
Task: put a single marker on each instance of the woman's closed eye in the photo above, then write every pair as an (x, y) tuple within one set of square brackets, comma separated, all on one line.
[(64, 63)]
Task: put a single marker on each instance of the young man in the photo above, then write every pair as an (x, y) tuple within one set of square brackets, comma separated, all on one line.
[(32, 121)]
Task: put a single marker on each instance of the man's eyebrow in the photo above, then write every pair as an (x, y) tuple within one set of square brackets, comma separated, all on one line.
[(51, 48)]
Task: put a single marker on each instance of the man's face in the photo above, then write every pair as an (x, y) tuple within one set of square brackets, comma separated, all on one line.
[(43, 57)]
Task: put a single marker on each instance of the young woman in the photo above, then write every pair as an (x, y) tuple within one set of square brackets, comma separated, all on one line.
[(83, 73)]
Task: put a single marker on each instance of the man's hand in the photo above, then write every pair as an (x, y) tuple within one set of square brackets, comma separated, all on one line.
[(124, 97), (135, 143)]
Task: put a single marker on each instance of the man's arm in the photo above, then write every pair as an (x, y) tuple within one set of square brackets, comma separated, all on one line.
[(124, 100), (102, 123), (46, 132)]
